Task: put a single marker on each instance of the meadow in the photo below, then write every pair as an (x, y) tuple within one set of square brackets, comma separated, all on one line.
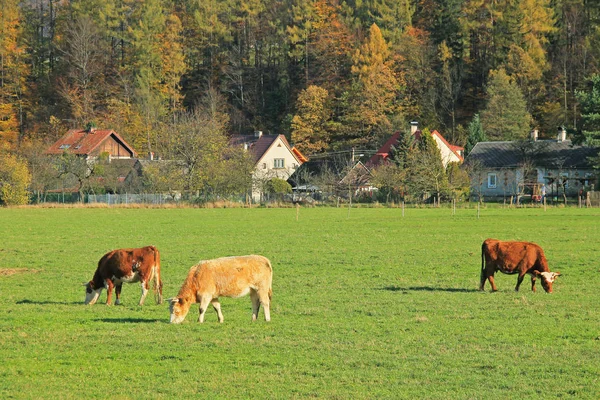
[(367, 304)]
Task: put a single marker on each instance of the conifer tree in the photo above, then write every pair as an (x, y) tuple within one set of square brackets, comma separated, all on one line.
[(505, 116)]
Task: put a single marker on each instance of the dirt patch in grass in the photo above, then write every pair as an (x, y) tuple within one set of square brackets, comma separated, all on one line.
[(13, 271)]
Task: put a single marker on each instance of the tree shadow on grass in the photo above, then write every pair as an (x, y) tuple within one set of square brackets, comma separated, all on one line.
[(131, 320), (48, 302), (428, 289)]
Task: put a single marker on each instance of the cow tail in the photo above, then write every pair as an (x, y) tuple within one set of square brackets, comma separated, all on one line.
[(157, 281), (270, 281), (482, 276)]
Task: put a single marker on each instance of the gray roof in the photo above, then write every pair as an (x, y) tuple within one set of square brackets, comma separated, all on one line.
[(543, 153)]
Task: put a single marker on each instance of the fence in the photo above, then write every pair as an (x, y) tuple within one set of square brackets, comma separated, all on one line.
[(145, 198)]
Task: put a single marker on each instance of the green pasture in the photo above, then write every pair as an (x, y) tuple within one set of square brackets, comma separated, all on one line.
[(366, 305)]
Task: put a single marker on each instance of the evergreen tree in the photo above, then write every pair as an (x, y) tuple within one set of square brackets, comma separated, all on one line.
[(589, 100), (476, 134), (505, 116)]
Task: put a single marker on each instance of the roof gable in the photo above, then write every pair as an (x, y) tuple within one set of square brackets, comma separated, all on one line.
[(260, 146), (384, 151), (84, 142)]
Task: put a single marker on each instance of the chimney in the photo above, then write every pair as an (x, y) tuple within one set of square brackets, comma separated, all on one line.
[(151, 155), (414, 126), (257, 134), (534, 135), (562, 134)]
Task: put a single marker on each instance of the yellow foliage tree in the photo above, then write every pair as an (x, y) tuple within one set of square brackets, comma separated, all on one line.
[(13, 72), (312, 120), (15, 179)]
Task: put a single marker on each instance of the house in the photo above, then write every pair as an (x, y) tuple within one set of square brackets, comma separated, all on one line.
[(448, 152), (91, 143), (273, 157), (531, 167)]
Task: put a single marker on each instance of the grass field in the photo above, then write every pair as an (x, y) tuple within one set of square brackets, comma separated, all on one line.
[(365, 305)]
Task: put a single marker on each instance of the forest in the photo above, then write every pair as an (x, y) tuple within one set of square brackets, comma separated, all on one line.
[(331, 75)]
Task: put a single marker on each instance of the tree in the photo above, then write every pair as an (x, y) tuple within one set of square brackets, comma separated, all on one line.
[(279, 187), (425, 170), (82, 54), (476, 134), (589, 99), (312, 125), (505, 116), (13, 74), (14, 180), (375, 91)]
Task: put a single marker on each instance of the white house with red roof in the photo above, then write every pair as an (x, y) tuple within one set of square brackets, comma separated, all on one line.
[(274, 157), (449, 153)]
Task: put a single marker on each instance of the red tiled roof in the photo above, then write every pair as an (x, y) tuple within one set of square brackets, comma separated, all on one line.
[(384, 151), (83, 142)]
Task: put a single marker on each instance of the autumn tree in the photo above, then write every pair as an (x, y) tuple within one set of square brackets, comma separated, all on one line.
[(81, 86), (14, 180), (13, 74), (312, 125), (376, 88), (505, 116)]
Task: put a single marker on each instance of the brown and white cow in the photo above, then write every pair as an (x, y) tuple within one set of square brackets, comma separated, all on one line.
[(125, 265), (515, 258), (228, 277)]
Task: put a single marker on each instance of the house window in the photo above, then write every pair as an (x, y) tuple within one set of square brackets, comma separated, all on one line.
[(64, 146), (492, 181), (279, 163), (264, 165)]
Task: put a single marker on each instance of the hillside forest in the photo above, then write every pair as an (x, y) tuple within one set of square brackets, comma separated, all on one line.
[(331, 75)]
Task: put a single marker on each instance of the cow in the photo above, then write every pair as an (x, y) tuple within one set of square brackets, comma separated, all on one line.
[(125, 265), (515, 258), (228, 277)]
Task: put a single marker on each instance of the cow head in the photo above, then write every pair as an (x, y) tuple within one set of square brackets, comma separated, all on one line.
[(179, 309), (547, 279), (91, 293)]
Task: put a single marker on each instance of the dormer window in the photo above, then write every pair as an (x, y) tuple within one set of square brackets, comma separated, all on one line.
[(64, 146)]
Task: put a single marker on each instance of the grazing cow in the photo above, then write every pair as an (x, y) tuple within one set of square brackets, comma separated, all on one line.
[(515, 258), (229, 277), (125, 265)]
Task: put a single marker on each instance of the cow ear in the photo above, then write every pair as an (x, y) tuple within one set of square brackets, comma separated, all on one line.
[(537, 273), (557, 273)]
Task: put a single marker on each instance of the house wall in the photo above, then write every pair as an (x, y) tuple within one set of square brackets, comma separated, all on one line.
[(448, 155), (267, 169), (112, 147), (508, 182)]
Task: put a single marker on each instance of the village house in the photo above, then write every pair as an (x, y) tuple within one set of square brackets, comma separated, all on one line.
[(530, 169), (273, 157), (92, 144), (448, 152)]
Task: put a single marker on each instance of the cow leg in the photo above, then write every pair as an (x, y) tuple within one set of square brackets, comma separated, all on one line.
[(144, 284), (263, 295), (118, 288), (204, 301), (493, 283), (217, 306), (519, 281), (255, 304), (109, 288), (533, 283)]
